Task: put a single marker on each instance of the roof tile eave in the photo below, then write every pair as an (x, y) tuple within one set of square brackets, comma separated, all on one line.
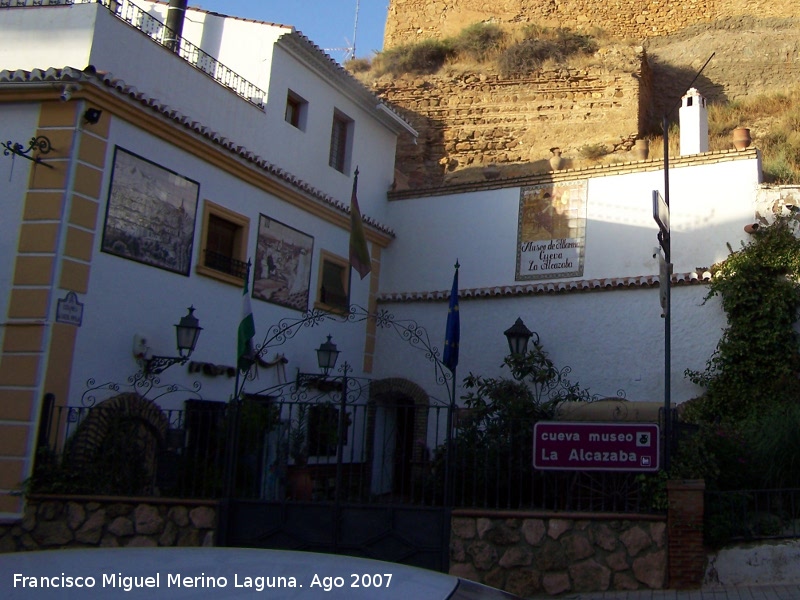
[(91, 74)]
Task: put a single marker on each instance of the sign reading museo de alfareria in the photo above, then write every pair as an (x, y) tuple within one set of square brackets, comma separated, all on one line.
[(595, 446)]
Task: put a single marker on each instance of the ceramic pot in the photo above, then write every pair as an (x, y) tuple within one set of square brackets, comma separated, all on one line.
[(556, 160), (741, 138), (301, 485), (641, 149)]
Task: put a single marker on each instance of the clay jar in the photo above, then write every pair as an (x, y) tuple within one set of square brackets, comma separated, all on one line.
[(741, 138), (556, 160)]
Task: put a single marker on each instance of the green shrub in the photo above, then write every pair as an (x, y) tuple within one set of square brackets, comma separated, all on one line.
[(593, 151), (524, 57), (423, 58), (479, 41), (775, 446), (540, 44), (358, 65), (756, 363)]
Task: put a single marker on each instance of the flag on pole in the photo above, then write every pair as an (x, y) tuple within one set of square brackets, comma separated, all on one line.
[(453, 333), (359, 254), (247, 329)]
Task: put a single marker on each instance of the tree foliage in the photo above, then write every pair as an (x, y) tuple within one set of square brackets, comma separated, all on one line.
[(756, 362)]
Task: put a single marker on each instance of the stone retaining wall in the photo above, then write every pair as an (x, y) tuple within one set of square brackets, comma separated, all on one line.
[(52, 522), (532, 553), (478, 119), (410, 21)]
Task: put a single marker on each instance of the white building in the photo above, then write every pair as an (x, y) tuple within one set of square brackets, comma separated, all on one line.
[(167, 172)]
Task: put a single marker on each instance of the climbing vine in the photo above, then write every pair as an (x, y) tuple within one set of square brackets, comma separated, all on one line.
[(756, 363)]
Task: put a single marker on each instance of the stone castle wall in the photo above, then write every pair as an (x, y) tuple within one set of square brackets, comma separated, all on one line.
[(476, 120), (412, 20)]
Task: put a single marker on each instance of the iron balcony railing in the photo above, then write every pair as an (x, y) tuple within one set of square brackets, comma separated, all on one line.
[(136, 17), (225, 264)]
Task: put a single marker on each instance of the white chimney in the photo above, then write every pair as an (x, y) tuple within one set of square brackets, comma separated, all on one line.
[(693, 117)]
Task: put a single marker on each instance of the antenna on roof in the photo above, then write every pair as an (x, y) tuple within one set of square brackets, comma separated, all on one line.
[(350, 49)]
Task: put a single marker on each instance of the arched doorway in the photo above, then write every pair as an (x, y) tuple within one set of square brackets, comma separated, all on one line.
[(397, 419)]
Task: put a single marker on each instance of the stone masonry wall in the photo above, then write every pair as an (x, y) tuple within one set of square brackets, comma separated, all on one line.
[(473, 120), (412, 20), (52, 523), (531, 553)]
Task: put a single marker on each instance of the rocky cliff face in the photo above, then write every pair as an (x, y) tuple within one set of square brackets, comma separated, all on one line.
[(413, 20), (474, 120)]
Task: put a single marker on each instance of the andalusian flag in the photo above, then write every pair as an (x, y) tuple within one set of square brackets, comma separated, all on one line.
[(359, 254), (247, 329), (453, 333)]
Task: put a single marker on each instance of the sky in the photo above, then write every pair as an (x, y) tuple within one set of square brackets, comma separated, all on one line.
[(328, 23)]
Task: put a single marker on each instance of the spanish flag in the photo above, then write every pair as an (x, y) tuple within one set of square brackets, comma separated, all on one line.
[(359, 254)]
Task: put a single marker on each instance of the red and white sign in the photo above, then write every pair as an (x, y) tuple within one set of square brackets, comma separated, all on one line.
[(565, 446)]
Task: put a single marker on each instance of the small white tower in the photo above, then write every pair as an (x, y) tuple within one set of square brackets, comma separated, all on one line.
[(693, 117)]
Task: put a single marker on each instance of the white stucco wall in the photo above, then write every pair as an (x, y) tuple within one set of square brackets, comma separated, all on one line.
[(710, 204), (307, 151), (17, 124), (127, 298), (88, 34), (67, 28), (612, 340)]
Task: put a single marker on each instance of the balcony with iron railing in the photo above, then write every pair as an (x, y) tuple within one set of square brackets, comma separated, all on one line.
[(139, 19)]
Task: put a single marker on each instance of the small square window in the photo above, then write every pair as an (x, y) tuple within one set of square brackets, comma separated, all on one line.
[(333, 286), (341, 134), (296, 110), (223, 246)]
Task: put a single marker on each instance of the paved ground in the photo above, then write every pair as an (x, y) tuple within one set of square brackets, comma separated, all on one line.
[(765, 592)]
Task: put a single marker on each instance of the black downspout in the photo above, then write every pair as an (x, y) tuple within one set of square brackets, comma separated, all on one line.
[(176, 13)]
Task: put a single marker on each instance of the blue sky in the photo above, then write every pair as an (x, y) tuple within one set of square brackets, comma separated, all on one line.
[(327, 23)]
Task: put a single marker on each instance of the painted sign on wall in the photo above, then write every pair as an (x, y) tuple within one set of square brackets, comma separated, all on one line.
[(595, 446), (552, 230)]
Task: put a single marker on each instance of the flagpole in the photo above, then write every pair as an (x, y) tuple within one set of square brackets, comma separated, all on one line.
[(236, 390), (450, 360)]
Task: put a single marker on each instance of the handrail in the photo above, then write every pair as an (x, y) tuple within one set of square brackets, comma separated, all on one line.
[(136, 17)]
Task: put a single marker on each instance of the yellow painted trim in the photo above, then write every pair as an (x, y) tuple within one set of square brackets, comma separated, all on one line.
[(243, 222), (14, 441), (53, 178), (60, 361), (74, 276), (56, 113), (38, 238), (330, 257), (23, 338), (19, 370), (33, 270), (16, 405), (102, 127), (185, 139), (11, 473), (43, 206), (84, 212), (10, 504), (60, 144), (28, 303), (79, 244), (92, 150), (88, 181)]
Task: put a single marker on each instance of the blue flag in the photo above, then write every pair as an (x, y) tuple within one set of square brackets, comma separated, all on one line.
[(453, 333)]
